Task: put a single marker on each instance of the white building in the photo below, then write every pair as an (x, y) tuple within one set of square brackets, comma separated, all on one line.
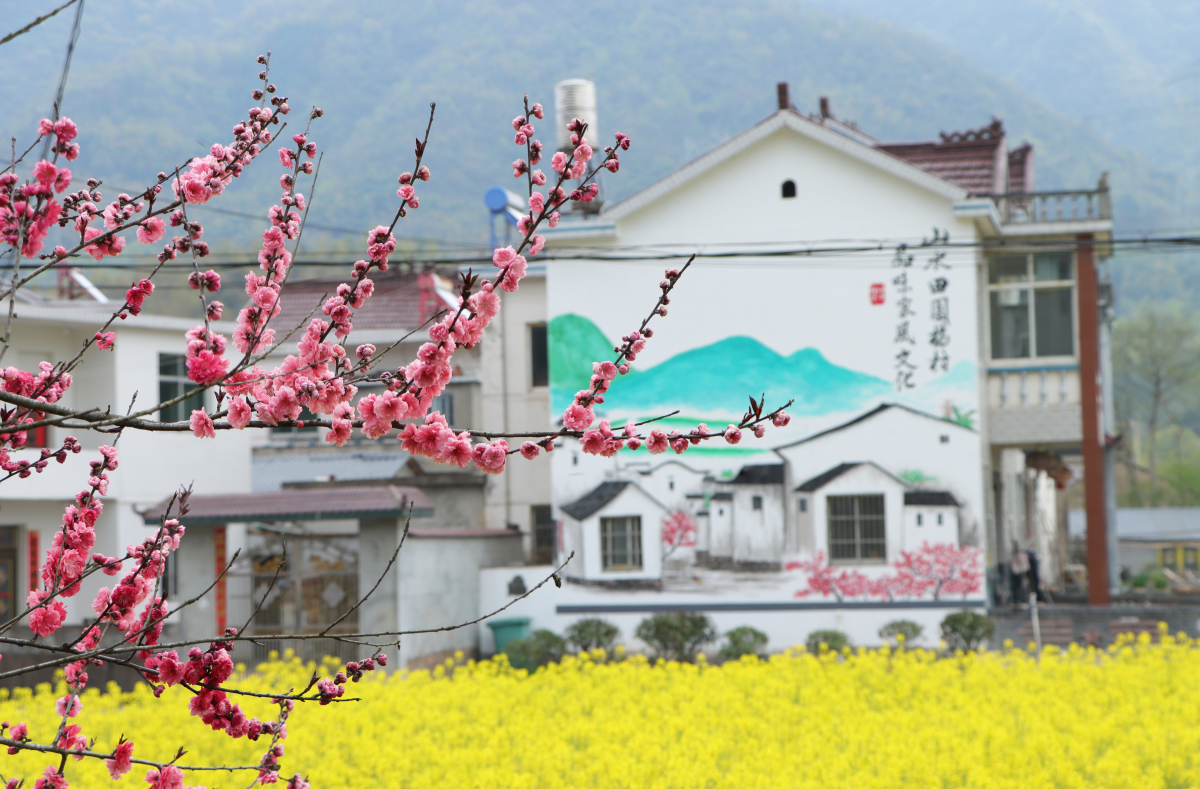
[(145, 366), (931, 315)]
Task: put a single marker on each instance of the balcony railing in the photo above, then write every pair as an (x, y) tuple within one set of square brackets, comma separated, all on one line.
[(1026, 208)]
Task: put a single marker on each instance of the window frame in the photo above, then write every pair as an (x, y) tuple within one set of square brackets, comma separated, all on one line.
[(10, 557), (545, 534), (534, 382), (633, 551), (857, 518), (1031, 285), (196, 401)]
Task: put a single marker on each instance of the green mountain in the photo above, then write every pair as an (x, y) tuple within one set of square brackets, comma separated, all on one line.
[(711, 380), (375, 66)]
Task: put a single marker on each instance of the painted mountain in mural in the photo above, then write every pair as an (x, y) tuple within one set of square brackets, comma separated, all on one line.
[(714, 380)]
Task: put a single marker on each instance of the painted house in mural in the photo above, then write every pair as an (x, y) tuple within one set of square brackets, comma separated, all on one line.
[(931, 314)]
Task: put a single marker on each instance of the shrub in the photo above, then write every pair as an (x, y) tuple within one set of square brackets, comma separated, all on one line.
[(540, 648), (966, 630), (588, 634), (834, 639), (901, 627), (678, 635), (743, 640)]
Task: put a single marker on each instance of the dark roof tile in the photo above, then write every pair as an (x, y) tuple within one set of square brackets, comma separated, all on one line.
[(768, 474), (593, 501), (821, 480), (930, 498)]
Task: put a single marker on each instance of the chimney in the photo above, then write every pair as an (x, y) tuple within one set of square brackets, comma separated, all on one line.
[(784, 102), (825, 113)]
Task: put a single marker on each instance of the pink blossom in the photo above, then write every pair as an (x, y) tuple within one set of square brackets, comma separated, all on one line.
[(781, 419), (170, 777), (202, 425), (732, 434), (537, 201), (558, 162), (583, 153), (503, 256), (680, 445), (529, 450), (239, 413), (760, 430), (606, 370), (51, 779), (105, 340), (44, 621), (552, 220), (69, 705), (151, 230), (657, 443), (536, 246), (633, 443), (577, 417), (122, 761), (593, 442), (539, 178), (513, 274), (207, 367)]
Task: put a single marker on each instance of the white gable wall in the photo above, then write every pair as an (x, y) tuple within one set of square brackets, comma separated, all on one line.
[(583, 537), (864, 479), (929, 530), (899, 440)]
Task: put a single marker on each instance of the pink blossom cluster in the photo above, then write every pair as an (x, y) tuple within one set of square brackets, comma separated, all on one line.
[(330, 689), (64, 131), (68, 554), (48, 387), (28, 212), (941, 569)]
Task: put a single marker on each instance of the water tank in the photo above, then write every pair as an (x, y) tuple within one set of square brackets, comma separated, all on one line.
[(576, 98)]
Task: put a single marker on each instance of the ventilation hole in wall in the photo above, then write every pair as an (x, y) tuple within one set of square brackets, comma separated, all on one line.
[(789, 188)]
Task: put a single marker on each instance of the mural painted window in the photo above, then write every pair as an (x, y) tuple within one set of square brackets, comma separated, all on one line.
[(539, 355), (543, 534), (172, 382), (756, 502), (621, 543), (856, 529), (8, 571), (1031, 301)]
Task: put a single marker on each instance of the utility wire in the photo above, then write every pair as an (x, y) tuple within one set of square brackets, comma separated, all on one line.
[(66, 69)]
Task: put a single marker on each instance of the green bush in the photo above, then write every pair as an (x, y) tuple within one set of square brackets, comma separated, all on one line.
[(588, 634), (540, 648), (901, 627), (743, 640), (676, 636), (966, 630), (1141, 580), (834, 639), (1159, 580)]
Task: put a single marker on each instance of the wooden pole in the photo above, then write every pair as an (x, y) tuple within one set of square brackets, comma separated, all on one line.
[(1093, 437)]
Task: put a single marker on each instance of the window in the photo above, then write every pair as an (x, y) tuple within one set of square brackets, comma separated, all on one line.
[(543, 534), (170, 577), (445, 404), (8, 571), (539, 355), (920, 520), (1031, 298), (1168, 558), (804, 505), (756, 502), (856, 531), (939, 519), (172, 382), (621, 543), (789, 189)]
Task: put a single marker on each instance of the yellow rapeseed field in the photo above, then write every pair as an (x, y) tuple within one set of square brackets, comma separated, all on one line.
[(1123, 717)]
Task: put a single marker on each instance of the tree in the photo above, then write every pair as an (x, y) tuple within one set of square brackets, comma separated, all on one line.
[(741, 641), (588, 634), (967, 630), (1156, 358), (903, 631), (941, 568), (322, 376), (677, 635), (678, 531)]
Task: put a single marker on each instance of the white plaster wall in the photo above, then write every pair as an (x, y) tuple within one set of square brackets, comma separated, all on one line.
[(758, 535), (784, 629), (862, 480), (899, 440), (929, 531), (629, 502)]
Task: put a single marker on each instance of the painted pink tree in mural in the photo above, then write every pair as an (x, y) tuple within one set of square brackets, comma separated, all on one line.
[(322, 375), (940, 569), (678, 531)]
